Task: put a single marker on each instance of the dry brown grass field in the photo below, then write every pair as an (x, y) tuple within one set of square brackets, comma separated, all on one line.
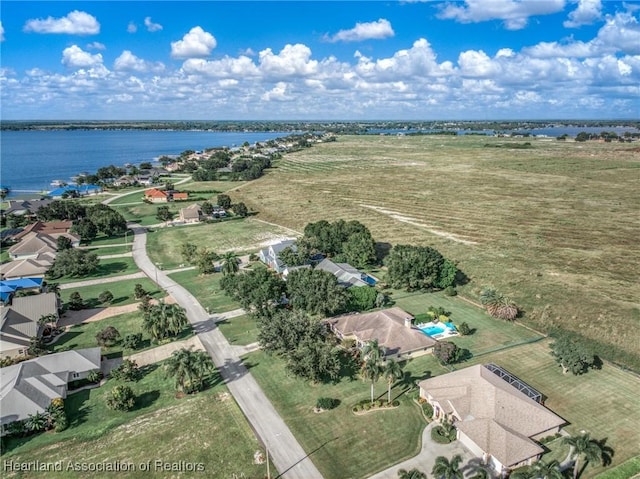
[(555, 226)]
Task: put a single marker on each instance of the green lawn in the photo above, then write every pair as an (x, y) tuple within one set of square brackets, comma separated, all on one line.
[(207, 186), (161, 427), (206, 289), (489, 334), (112, 250), (245, 235), (84, 335), (145, 213), (341, 444), (106, 269), (602, 402), (103, 240), (626, 470), (122, 292), (240, 331)]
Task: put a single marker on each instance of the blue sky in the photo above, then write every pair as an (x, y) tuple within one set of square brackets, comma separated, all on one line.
[(471, 59)]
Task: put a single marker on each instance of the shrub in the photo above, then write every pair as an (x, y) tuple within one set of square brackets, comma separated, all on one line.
[(139, 292), (356, 408), (327, 403), (395, 403), (105, 297), (439, 435), (75, 303), (464, 329), (427, 409), (132, 341), (366, 407), (108, 336), (121, 398), (127, 371), (94, 376), (450, 291)]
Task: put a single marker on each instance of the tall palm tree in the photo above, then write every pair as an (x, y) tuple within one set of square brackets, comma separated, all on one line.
[(547, 470), (48, 320), (412, 474), (392, 372), (371, 370), (372, 350), (479, 471), (445, 469), (583, 445), (162, 320), (202, 366), (229, 264)]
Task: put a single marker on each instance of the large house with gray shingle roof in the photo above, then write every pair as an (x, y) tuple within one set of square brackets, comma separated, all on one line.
[(29, 387), (346, 274), (392, 328), (19, 321), (495, 420)]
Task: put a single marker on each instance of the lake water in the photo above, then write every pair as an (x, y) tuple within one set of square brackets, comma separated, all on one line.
[(32, 159)]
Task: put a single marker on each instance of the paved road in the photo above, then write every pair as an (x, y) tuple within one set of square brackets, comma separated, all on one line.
[(286, 453)]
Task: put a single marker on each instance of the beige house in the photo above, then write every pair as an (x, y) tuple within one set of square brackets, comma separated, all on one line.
[(391, 327), (191, 214), (494, 418), (27, 268), (19, 321)]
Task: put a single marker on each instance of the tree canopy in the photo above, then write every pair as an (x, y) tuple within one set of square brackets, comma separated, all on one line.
[(419, 267), (351, 239), (73, 262), (316, 292), (572, 355), (258, 291)]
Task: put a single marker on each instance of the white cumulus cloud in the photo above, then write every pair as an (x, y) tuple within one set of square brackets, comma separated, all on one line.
[(197, 43), (96, 46), (75, 23), (152, 27), (132, 27), (76, 57), (587, 12), (1, 32), (127, 61), (364, 31), (293, 60), (514, 13), (277, 93)]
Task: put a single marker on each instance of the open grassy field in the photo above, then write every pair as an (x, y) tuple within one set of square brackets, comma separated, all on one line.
[(206, 289), (239, 331), (84, 335), (554, 226), (122, 292), (240, 236), (341, 444), (160, 427), (602, 402), (106, 269)]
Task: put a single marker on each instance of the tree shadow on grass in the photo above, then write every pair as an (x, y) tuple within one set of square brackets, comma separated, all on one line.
[(121, 299), (110, 269), (146, 399), (382, 249)]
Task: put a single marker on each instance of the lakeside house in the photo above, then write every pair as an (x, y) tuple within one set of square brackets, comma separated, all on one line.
[(75, 190), (494, 418), (19, 321), (27, 388), (27, 208), (346, 274), (392, 328)]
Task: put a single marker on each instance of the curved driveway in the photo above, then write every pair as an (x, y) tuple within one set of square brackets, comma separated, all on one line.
[(286, 453)]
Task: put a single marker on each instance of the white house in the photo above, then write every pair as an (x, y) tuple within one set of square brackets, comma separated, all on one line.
[(269, 256)]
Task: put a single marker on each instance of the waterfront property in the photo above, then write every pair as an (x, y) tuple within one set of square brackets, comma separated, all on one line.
[(29, 387), (75, 191), (391, 327), (497, 416), (154, 195), (26, 208)]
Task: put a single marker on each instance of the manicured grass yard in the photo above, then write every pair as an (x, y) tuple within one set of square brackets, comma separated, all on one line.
[(245, 235), (112, 250), (206, 288), (106, 269), (490, 333), (630, 468), (161, 427), (84, 335), (112, 240), (602, 402), (122, 292), (342, 445), (240, 331)]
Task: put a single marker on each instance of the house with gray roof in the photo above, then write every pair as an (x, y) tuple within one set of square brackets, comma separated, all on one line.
[(25, 207), (29, 387), (27, 268), (270, 255), (346, 274), (19, 321), (494, 419), (392, 328)]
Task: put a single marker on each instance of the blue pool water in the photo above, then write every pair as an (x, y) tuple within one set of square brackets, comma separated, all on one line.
[(439, 329)]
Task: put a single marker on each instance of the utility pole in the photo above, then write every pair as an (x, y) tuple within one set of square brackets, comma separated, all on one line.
[(268, 472)]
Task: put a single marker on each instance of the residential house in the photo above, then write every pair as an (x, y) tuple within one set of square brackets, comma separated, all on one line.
[(27, 388), (346, 274), (154, 195), (51, 228), (19, 321), (191, 214), (35, 267), (494, 418), (179, 196), (392, 328), (218, 212), (27, 208), (269, 255), (10, 286), (31, 245), (75, 190)]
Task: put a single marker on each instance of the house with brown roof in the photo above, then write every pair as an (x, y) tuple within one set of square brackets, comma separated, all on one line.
[(154, 195), (392, 328), (178, 196), (19, 321), (31, 245), (494, 417), (51, 228), (191, 214)]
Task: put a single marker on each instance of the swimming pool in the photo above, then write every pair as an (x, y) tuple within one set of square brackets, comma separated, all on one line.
[(440, 328)]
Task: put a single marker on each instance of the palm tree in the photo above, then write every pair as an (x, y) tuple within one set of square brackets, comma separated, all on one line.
[(498, 305), (479, 472), (372, 350), (202, 366), (392, 372), (163, 320), (36, 422), (445, 469), (371, 370), (229, 264), (525, 472), (48, 320), (412, 474), (547, 470), (583, 445), (182, 365)]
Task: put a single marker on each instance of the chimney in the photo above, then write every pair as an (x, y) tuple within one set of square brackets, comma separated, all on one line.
[(407, 322)]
